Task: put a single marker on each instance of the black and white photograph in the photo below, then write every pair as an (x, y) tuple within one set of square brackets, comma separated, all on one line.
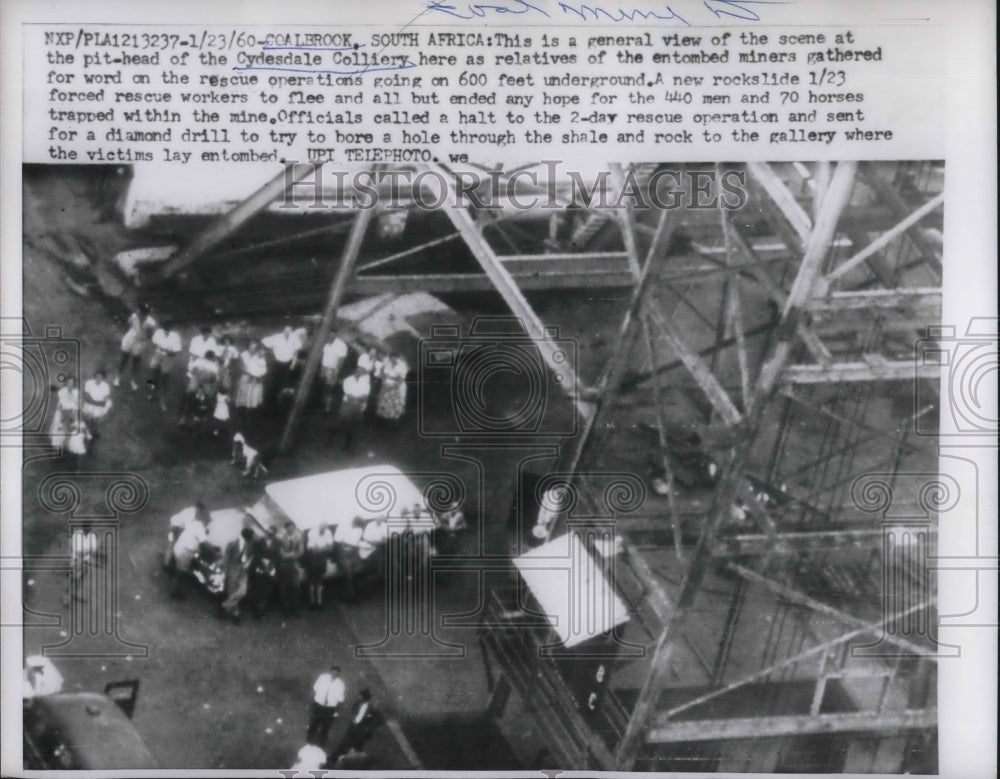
[(475, 462), (379, 457)]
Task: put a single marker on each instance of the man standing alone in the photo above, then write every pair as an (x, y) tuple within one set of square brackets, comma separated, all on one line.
[(328, 694)]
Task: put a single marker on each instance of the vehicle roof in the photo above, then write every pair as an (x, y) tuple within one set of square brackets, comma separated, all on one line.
[(337, 497), (225, 526), (95, 729)]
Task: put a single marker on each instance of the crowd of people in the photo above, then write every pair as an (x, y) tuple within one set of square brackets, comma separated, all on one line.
[(261, 572), (225, 384)]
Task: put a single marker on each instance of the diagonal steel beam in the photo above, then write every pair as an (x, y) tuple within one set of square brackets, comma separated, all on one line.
[(812, 341), (697, 367), (872, 628), (226, 224), (787, 206), (888, 195), (796, 596), (885, 239), (544, 338)]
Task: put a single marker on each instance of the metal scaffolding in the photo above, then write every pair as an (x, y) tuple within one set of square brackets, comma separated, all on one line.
[(801, 299)]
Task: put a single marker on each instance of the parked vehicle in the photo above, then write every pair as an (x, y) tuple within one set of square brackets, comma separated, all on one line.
[(363, 506), (79, 730)]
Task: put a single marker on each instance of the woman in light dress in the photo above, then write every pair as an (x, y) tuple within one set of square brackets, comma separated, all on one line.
[(67, 415), (391, 403), (96, 401), (253, 368)]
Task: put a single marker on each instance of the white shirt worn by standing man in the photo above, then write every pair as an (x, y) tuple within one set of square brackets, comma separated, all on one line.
[(329, 690)]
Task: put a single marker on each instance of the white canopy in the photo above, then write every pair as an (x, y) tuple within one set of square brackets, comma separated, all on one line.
[(337, 497), (572, 590)]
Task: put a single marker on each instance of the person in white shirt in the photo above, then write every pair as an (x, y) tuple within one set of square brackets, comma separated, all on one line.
[(202, 344), (310, 758), (166, 347), (96, 400), (188, 531), (357, 389), (376, 531), (67, 414), (366, 360), (334, 354), (551, 507), (141, 325), (41, 677), (328, 693), (203, 383), (247, 456), (83, 557), (284, 347), (319, 550)]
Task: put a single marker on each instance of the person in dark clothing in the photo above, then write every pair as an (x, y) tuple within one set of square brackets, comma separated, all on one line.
[(263, 572), (365, 720)]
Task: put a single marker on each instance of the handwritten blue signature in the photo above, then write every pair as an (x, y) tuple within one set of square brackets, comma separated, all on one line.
[(734, 9)]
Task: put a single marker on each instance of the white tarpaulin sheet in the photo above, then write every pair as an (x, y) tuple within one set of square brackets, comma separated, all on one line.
[(572, 590), (338, 497)]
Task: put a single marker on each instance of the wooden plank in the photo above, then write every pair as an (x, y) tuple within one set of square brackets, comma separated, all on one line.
[(908, 299), (887, 723), (794, 543), (889, 370)]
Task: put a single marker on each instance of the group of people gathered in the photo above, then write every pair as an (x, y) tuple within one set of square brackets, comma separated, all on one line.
[(258, 570), (222, 381)]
